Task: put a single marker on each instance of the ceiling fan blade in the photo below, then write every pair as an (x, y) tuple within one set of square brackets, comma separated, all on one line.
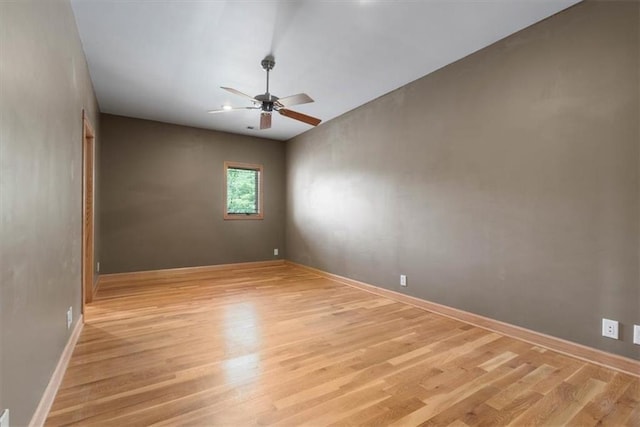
[(265, 121), (299, 116), (224, 110), (237, 92), (300, 98)]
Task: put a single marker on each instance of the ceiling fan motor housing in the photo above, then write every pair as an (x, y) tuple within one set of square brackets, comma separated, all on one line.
[(267, 101)]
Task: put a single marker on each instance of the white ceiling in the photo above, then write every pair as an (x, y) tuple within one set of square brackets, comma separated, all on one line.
[(165, 60)]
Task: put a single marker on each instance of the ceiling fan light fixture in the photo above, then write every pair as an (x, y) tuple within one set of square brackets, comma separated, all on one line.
[(227, 107)]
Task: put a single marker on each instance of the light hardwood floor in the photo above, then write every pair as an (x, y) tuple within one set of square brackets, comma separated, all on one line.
[(279, 345)]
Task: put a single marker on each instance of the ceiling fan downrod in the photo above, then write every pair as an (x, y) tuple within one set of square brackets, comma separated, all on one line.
[(267, 64)]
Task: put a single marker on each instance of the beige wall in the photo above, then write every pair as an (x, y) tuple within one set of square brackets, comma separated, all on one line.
[(44, 86), (506, 184), (162, 197)]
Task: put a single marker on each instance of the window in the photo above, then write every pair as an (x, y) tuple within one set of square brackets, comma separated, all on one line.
[(242, 191)]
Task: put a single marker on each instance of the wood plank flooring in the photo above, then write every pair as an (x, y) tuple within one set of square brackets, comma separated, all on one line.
[(282, 346)]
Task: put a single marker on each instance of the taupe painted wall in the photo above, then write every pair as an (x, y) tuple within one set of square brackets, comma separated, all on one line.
[(44, 85), (506, 184), (162, 197)]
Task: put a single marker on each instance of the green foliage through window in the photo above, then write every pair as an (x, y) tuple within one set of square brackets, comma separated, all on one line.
[(242, 191)]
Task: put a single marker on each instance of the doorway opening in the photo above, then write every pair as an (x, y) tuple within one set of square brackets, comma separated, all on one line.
[(88, 145)]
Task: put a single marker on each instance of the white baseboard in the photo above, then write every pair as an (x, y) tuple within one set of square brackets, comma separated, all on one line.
[(40, 416)]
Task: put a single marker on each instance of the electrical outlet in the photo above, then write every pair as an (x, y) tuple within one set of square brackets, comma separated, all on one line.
[(636, 334), (403, 280), (4, 418), (276, 252), (610, 328), (98, 267), (69, 317)]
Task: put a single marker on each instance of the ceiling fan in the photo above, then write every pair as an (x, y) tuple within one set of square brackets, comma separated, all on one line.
[(268, 103)]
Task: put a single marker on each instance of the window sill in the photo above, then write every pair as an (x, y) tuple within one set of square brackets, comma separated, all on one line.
[(243, 216)]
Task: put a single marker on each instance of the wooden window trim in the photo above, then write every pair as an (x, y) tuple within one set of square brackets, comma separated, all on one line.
[(248, 166)]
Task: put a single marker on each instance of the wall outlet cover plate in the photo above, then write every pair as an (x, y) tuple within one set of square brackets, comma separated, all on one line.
[(610, 328)]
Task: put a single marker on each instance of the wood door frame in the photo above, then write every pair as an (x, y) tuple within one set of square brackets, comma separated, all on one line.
[(88, 204)]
